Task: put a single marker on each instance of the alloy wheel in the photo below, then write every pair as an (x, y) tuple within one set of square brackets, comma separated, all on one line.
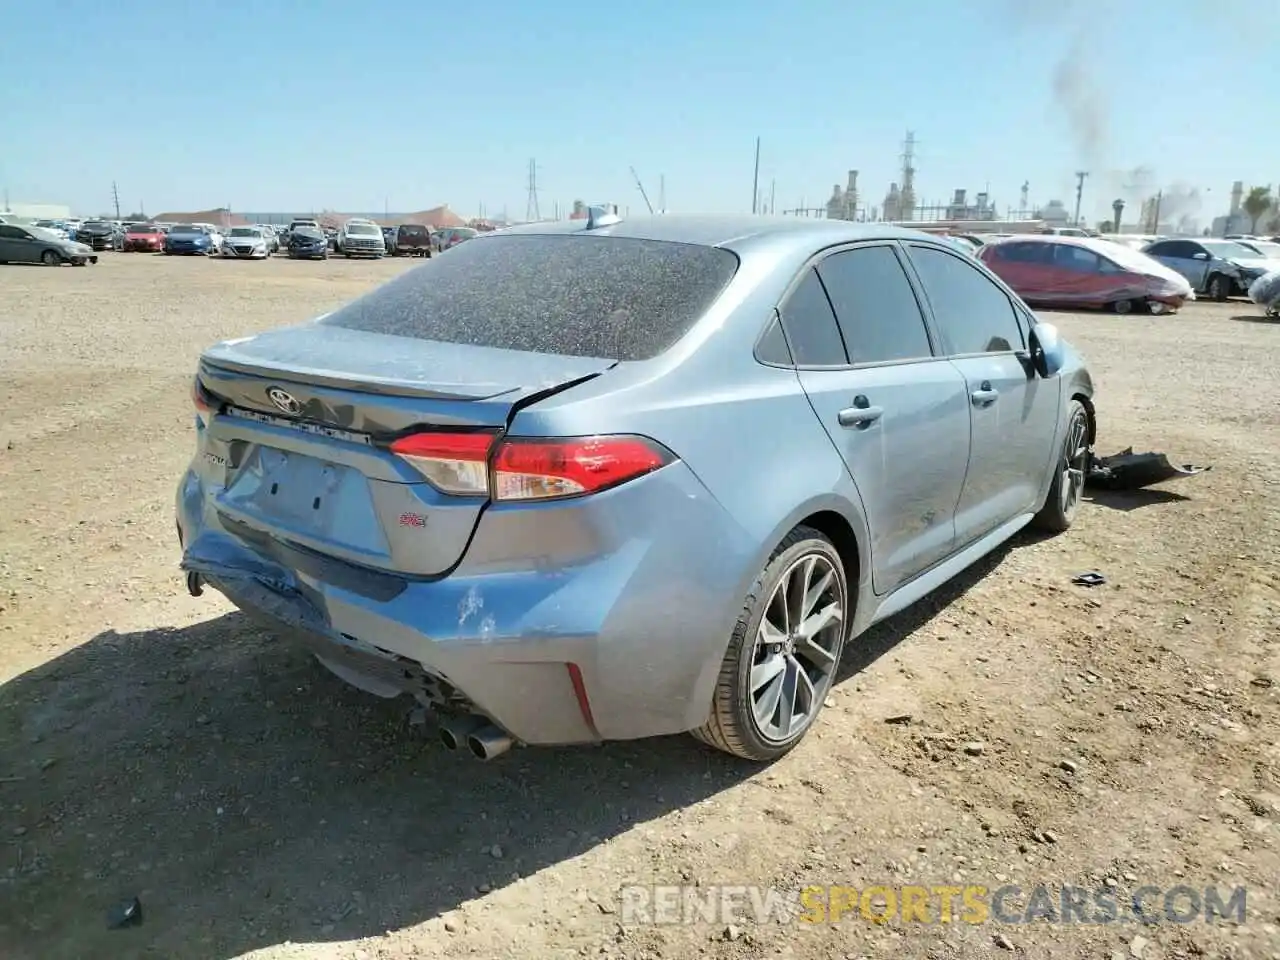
[(1075, 462), (797, 643)]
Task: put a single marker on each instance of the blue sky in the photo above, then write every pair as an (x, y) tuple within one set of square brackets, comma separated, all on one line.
[(302, 104)]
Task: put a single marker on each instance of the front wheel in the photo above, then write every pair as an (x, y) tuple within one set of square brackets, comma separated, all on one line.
[(50, 258), (783, 654), (1072, 465), (1219, 288)]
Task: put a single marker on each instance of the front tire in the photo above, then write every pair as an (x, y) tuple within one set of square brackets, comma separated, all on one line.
[(784, 652), (1219, 288), (1059, 510), (50, 258)]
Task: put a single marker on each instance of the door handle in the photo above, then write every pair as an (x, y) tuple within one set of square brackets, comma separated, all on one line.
[(861, 415), (984, 396)]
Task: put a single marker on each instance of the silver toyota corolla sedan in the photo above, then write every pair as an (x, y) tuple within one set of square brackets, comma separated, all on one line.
[(607, 479)]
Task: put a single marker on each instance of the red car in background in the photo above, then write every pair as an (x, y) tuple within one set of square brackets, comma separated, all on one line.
[(1062, 271), (144, 237)]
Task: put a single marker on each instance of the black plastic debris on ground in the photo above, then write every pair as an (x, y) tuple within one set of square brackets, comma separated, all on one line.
[(1091, 579), (1131, 471), (127, 913)]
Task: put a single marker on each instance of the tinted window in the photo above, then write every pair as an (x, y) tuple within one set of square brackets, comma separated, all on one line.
[(12, 233), (610, 297), (772, 347), (973, 314), (810, 325), (1022, 252), (413, 231), (1075, 258), (875, 305)]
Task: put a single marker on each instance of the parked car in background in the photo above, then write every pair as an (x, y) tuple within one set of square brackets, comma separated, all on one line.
[(1216, 268), (1067, 271), (331, 234), (524, 482), (144, 238), (413, 240), (389, 240), (246, 243), (308, 243), (449, 237), (270, 235), (216, 235), (187, 238), (19, 244), (301, 222), (1267, 249), (55, 227), (361, 238), (97, 235)]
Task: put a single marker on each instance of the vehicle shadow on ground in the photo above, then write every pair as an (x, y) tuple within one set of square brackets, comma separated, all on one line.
[(1257, 318), (248, 798), (1126, 500)]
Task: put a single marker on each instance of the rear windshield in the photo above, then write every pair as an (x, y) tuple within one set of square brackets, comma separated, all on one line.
[(412, 230), (609, 297)]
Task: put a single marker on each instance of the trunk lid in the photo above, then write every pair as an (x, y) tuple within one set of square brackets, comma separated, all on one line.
[(298, 449)]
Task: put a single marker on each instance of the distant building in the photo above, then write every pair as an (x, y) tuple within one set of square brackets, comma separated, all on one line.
[(36, 211), (843, 204), (960, 209), (579, 211), (1054, 214)]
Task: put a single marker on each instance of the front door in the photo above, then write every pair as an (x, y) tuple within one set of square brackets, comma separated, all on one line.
[(1186, 256), (898, 415), (1014, 414)]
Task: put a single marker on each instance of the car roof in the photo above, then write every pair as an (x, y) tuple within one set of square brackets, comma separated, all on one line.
[(728, 230)]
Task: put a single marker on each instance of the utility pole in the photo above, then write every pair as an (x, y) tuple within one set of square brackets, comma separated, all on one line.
[(755, 182), (1155, 213), (773, 197), (662, 193), (115, 196), (1080, 175)]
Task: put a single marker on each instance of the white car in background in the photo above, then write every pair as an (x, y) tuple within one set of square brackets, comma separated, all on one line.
[(361, 238), (215, 234), (246, 243)]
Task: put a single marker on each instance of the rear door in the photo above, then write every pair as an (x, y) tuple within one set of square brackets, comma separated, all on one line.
[(1013, 412), (897, 414), (13, 244)]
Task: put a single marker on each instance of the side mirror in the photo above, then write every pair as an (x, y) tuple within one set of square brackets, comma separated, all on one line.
[(1047, 351)]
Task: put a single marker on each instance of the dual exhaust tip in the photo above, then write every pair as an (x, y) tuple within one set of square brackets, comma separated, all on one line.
[(476, 734)]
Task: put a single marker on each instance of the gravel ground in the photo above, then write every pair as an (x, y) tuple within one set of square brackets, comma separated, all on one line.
[(1013, 729)]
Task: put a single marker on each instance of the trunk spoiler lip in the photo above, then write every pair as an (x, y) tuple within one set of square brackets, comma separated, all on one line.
[(382, 386)]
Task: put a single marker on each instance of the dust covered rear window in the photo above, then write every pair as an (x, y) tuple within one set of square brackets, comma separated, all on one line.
[(610, 297)]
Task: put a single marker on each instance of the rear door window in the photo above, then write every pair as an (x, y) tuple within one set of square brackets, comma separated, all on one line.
[(810, 325), (615, 298), (875, 305)]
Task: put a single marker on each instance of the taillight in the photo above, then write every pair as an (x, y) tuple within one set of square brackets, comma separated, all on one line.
[(528, 468), (202, 400)]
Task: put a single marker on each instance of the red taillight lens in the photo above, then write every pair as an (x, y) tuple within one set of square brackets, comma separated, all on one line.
[(528, 468), (202, 401), (536, 469), (456, 463)]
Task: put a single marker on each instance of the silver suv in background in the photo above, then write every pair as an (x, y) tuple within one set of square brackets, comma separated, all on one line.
[(361, 238), (1217, 269)]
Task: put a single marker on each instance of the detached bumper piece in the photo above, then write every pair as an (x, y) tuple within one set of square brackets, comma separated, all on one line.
[(1132, 471)]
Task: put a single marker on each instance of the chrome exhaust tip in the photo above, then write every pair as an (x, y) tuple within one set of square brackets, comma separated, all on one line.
[(488, 742), (455, 730)]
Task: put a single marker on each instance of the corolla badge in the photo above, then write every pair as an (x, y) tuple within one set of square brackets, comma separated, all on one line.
[(284, 400)]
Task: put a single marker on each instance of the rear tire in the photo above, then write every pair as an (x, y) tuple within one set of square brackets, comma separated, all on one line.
[(1070, 470), (773, 681)]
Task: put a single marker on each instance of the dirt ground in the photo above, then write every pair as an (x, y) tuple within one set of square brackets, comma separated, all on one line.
[(159, 746)]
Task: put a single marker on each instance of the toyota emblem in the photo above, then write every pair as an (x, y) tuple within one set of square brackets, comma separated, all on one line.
[(284, 400)]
